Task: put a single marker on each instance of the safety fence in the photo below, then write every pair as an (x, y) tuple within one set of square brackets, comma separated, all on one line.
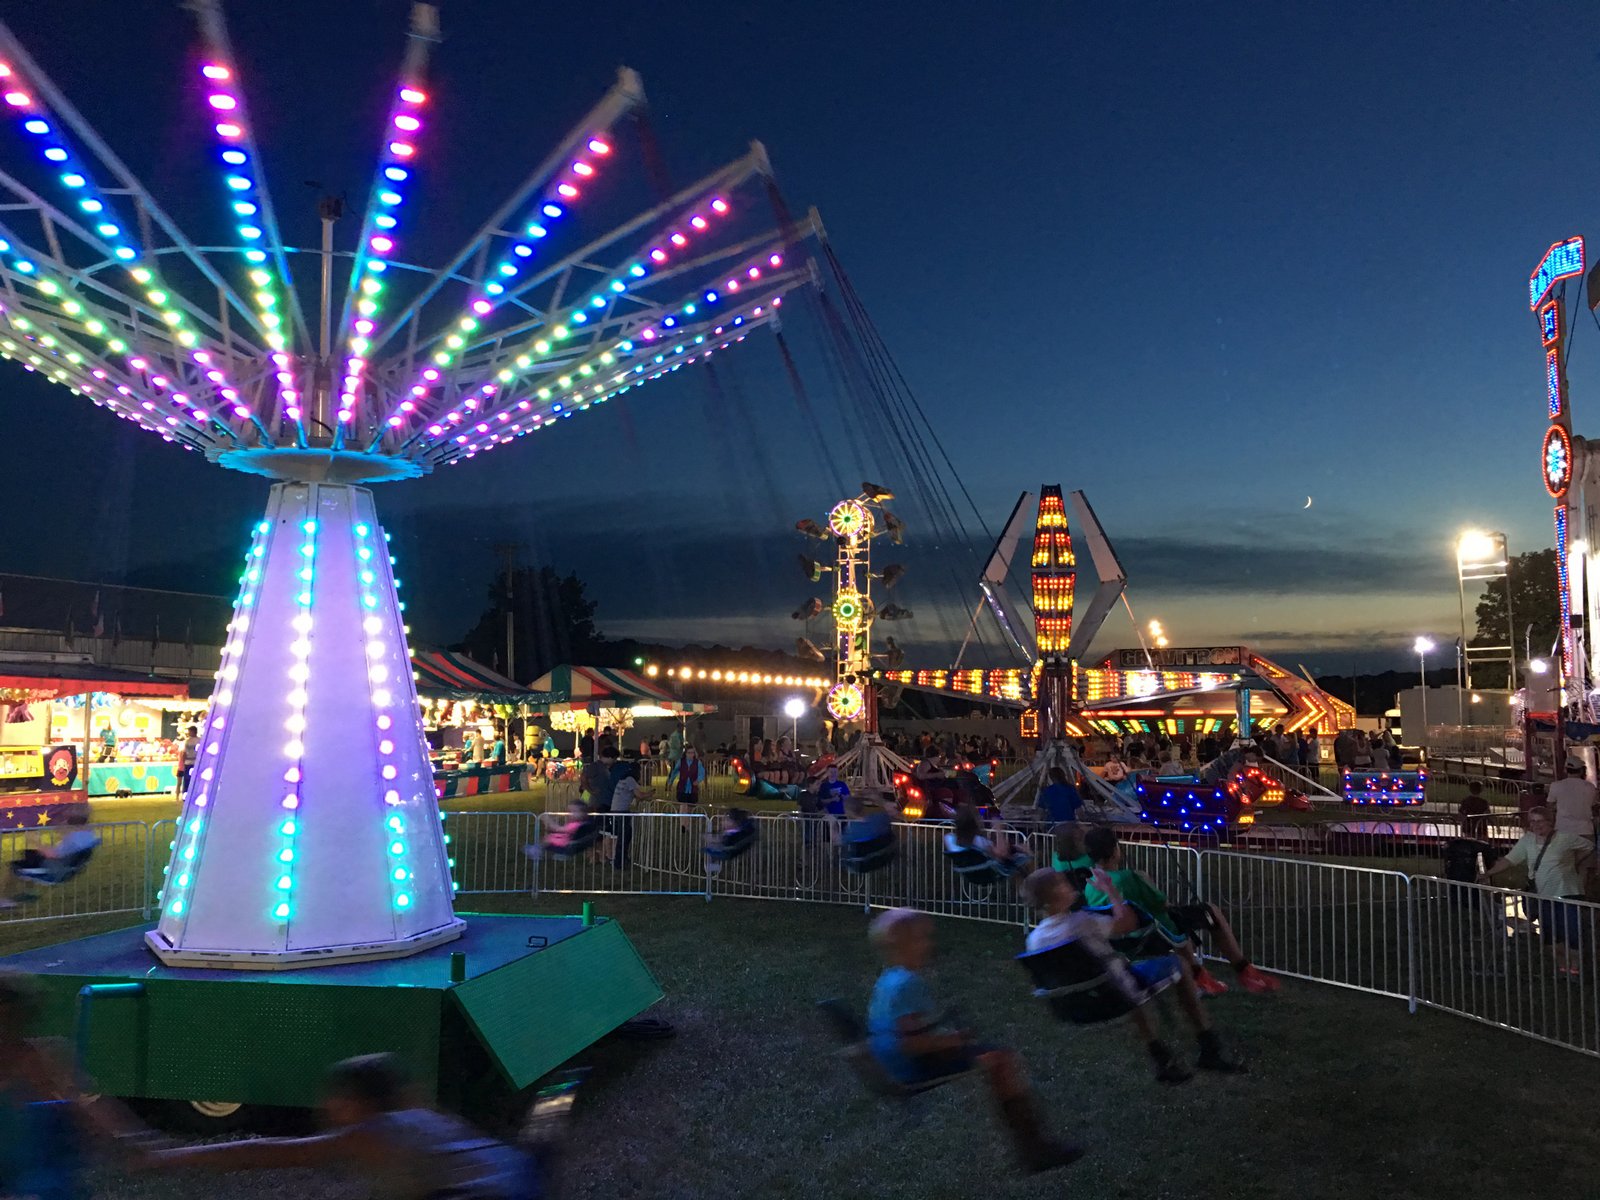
[(52, 885), (1521, 963)]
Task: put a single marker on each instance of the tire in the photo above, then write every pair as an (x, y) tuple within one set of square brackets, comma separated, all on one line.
[(213, 1117)]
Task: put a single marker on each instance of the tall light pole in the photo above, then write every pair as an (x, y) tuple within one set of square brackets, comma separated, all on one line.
[(1481, 557), (1422, 645), (794, 708)]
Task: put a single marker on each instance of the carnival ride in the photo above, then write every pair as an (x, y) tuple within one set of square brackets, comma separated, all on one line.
[(1060, 698), (310, 835)]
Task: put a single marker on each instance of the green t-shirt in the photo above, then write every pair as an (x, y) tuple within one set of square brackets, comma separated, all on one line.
[(1081, 863), (1135, 889)]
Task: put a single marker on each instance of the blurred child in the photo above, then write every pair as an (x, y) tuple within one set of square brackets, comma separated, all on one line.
[(905, 1036), (738, 831), (559, 838), (379, 1129), (966, 833), (1054, 895)]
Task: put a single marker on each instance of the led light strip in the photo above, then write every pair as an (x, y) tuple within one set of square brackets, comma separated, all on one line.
[(380, 689), (131, 402), (541, 346), (282, 896), (71, 174), (553, 206), (246, 202), (192, 830), (605, 357), (378, 240), (503, 430)]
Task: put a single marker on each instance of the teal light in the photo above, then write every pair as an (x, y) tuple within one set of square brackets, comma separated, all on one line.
[(176, 908), (281, 912), (284, 883), (402, 901), (397, 847), (287, 829), (286, 855)]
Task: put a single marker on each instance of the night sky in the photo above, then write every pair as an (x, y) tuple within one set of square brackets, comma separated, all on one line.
[(1202, 261)]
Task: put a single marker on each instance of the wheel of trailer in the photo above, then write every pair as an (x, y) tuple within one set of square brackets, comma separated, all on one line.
[(212, 1116)]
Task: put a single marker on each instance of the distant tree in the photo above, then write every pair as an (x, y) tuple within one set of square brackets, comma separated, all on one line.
[(1534, 602), (552, 621)]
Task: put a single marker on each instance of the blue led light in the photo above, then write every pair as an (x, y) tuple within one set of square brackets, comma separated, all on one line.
[(1562, 261), (396, 173), (522, 250), (390, 198), (238, 183), (91, 206), (56, 154), (73, 180), (637, 271), (552, 210), (537, 231), (234, 158), (36, 126)]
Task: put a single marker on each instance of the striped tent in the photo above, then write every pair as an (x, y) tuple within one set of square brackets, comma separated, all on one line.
[(444, 674), (589, 689)]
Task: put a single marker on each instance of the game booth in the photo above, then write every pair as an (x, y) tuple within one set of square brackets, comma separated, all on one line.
[(466, 708), (59, 717), (591, 699)]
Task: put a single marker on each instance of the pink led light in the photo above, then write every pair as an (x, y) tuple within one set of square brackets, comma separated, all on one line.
[(776, 260), (435, 429), (431, 375), (363, 327), (567, 190), (658, 254), (214, 376), (18, 99), (406, 406), (228, 129), (419, 391), (290, 395), (382, 244), (407, 122), (222, 102), (582, 168), (292, 413), (482, 307), (215, 71), (698, 222), (229, 394), (138, 364), (678, 239), (754, 272), (240, 410), (291, 802), (402, 149), (412, 96), (597, 146), (719, 206)]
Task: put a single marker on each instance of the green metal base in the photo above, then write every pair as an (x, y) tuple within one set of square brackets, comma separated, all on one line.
[(534, 991)]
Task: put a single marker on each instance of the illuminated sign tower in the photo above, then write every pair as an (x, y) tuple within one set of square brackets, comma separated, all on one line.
[(1054, 578)]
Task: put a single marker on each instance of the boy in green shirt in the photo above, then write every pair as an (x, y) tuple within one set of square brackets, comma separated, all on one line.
[(1181, 920)]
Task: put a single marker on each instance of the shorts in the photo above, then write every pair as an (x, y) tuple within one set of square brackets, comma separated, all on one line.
[(1191, 919), (1560, 922), (1154, 972)]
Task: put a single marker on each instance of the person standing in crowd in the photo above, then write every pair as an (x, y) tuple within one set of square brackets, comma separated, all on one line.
[(1555, 864), (685, 779), (596, 783), (1059, 798), (675, 745), (188, 751), (1574, 799), (625, 791), (586, 746), (1474, 813)]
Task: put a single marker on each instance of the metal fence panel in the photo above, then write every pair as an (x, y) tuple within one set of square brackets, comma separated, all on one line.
[(637, 853), (1509, 959), (1335, 924), (117, 878)]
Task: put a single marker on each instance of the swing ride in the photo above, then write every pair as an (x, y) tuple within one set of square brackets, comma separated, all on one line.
[(310, 844)]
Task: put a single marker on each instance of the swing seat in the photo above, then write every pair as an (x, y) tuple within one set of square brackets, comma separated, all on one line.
[(1079, 988), (49, 872)]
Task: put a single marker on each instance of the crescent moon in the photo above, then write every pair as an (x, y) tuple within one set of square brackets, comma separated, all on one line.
[(1308, 501)]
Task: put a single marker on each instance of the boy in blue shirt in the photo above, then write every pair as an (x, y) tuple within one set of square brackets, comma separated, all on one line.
[(905, 1036)]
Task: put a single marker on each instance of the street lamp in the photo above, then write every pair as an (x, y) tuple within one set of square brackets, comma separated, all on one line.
[(794, 708), (1422, 645), (1480, 558)]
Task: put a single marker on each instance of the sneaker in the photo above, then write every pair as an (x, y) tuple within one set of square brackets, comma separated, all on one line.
[(1173, 1071), (1257, 982), (1208, 983)]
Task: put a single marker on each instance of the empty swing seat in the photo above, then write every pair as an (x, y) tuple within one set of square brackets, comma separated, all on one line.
[(1080, 988)]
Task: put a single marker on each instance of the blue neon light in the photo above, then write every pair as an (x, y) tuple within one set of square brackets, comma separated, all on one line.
[(1562, 261), (1552, 382), (1549, 324)]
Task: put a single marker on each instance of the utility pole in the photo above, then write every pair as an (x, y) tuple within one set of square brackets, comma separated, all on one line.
[(508, 557)]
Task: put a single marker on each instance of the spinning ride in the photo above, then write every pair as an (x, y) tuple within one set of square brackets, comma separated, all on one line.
[(310, 831), (869, 767)]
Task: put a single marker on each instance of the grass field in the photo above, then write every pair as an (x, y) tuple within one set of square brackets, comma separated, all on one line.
[(1348, 1095)]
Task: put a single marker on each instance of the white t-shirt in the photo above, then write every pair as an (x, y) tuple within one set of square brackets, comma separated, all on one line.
[(1573, 800), (1560, 871), (1091, 929)]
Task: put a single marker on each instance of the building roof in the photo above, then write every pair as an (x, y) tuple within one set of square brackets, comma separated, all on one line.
[(45, 679)]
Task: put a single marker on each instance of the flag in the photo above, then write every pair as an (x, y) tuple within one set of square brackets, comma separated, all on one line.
[(99, 617), (71, 632), (155, 634), (116, 630)]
